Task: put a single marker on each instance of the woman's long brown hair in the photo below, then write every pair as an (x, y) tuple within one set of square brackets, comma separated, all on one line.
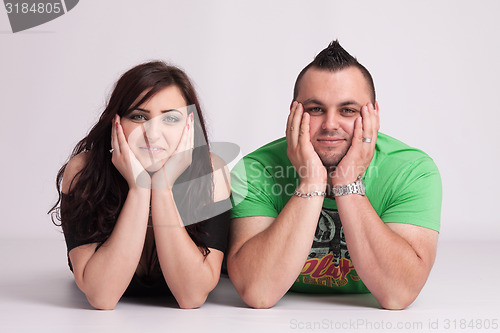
[(93, 203)]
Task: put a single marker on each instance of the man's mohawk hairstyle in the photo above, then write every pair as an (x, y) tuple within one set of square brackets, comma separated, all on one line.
[(334, 57)]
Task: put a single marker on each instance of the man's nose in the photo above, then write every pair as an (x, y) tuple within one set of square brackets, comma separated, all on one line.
[(331, 120)]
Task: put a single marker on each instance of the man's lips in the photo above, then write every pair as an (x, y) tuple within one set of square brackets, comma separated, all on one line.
[(330, 141)]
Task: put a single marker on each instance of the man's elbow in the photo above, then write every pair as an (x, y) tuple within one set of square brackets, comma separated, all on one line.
[(256, 295), (258, 300), (399, 301), (253, 291)]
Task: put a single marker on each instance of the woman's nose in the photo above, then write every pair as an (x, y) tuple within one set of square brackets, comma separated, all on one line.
[(152, 129)]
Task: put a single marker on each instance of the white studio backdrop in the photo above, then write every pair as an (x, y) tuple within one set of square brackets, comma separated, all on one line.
[(435, 66)]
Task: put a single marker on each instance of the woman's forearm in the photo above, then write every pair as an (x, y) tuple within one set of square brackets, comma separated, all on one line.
[(108, 271), (189, 274)]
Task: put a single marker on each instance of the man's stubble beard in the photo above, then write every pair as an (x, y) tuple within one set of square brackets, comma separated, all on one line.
[(331, 159), (331, 162)]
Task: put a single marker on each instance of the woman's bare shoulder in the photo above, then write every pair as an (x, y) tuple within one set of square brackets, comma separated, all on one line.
[(74, 166), (222, 178)]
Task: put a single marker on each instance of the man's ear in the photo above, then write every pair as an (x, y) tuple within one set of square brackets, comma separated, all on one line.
[(376, 106)]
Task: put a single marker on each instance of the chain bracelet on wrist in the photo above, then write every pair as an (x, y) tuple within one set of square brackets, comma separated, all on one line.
[(309, 194)]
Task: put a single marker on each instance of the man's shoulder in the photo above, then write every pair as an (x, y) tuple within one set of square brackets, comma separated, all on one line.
[(254, 179), (393, 156), (389, 147), (272, 153), (268, 163)]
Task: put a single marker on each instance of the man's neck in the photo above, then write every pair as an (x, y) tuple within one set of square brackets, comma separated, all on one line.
[(329, 185)]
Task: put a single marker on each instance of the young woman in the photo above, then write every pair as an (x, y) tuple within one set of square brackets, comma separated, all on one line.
[(143, 203)]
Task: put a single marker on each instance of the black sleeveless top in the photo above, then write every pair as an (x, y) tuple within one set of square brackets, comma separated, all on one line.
[(148, 277)]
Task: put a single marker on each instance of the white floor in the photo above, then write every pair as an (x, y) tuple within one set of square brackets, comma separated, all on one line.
[(37, 294)]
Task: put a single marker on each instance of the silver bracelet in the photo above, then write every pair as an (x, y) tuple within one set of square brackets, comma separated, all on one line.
[(310, 194), (358, 187)]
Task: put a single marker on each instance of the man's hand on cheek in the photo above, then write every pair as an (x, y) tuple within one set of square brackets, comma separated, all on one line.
[(301, 152), (360, 154)]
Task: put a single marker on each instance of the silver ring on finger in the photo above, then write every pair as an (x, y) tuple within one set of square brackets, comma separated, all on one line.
[(367, 140), (112, 150)]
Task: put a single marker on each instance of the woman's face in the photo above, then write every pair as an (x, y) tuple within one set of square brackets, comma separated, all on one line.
[(153, 130)]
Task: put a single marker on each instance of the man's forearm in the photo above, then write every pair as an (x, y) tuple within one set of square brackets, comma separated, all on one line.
[(391, 268), (265, 266)]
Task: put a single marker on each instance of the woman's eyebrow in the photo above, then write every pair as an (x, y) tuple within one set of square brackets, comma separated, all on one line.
[(162, 111), (171, 110)]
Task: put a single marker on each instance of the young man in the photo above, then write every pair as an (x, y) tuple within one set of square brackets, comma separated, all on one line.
[(336, 207)]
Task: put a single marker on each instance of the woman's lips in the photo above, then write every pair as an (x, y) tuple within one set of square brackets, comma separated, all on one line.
[(153, 150)]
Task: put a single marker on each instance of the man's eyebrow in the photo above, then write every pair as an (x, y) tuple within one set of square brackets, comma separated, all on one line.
[(318, 102), (312, 101), (346, 103)]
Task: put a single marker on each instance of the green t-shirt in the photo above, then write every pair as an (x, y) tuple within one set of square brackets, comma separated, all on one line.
[(402, 183)]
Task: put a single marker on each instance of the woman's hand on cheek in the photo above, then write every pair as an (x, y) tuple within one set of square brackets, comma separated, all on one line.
[(180, 160), (125, 161)]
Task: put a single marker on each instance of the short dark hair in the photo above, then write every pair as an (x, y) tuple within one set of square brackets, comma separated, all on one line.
[(335, 58)]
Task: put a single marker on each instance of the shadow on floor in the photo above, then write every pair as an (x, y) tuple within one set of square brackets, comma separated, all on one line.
[(47, 289)]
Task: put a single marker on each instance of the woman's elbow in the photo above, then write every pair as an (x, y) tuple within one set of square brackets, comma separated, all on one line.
[(103, 302), (193, 299), (192, 302)]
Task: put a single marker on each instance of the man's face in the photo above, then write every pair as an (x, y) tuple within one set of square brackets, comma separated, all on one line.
[(334, 101)]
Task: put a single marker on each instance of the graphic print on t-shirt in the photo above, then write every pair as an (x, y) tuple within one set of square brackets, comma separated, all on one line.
[(328, 263)]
